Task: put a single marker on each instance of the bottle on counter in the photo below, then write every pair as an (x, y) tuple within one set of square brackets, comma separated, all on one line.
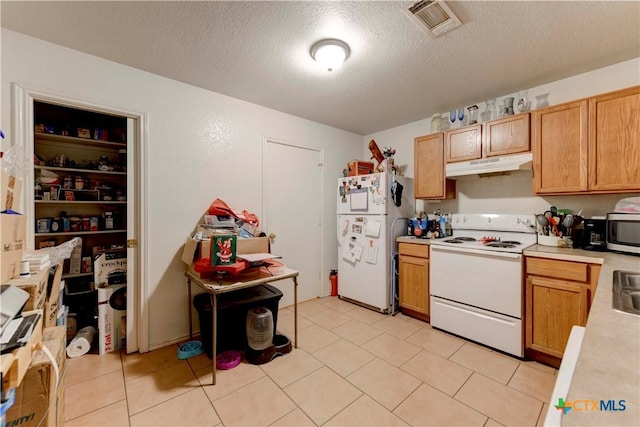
[(443, 226), (410, 227)]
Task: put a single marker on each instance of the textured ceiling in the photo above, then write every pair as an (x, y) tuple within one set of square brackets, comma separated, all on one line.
[(259, 51)]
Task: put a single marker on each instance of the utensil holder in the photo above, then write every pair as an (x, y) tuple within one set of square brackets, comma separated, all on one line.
[(549, 240)]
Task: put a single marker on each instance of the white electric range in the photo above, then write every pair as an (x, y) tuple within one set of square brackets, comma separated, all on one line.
[(476, 279)]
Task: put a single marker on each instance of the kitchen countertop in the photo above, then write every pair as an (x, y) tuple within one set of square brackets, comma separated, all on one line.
[(411, 239), (608, 367)]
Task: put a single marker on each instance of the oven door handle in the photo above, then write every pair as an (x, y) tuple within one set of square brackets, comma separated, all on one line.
[(493, 254)]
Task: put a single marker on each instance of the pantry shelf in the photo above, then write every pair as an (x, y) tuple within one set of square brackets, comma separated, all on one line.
[(80, 202), (78, 170), (57, 139), (79, 233)]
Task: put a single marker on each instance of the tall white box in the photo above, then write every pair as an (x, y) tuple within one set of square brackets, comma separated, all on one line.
[(112, 315)]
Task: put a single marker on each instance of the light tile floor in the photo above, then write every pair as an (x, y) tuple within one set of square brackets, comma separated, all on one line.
[(353, 367)]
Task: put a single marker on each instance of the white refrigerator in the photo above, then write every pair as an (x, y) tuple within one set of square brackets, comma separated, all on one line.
[(372, 212)]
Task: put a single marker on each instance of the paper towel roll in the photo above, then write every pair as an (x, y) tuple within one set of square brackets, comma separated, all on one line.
[(81, 343)]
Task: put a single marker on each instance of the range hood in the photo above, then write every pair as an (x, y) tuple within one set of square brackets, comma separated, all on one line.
[(499, 164)]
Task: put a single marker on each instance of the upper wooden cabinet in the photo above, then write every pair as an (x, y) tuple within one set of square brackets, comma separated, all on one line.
[(559, 137), (614, 141), (429, 179), (508, 135), (588, 146), (463, 144)]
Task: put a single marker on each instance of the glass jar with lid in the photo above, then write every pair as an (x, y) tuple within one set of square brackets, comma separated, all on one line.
[(473, 114)]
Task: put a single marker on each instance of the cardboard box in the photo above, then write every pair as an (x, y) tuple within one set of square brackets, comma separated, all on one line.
[(189, 251), (36, 285), (194, 249), (359, 167), (256, 245), (12, 234), (39, 397), (16, 363), (10, 192), (111, 318), (52, 303)]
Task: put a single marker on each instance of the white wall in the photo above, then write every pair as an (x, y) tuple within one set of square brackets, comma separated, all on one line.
[(202, 145), (514, 193)]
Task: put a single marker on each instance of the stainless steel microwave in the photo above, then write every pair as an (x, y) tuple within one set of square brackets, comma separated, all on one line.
[(623, 232)]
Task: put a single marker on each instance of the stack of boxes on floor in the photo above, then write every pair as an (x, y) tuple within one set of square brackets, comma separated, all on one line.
[(38, 398), (110, 277)]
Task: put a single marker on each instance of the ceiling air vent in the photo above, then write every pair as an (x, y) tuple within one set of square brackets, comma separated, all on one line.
[(434, 17)]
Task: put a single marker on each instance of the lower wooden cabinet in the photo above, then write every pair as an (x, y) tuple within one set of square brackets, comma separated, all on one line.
[(553, 307), (413, 290), (558, 296)]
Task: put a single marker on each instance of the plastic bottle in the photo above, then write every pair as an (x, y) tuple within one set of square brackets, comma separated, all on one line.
[(443, 226), (410, 227)]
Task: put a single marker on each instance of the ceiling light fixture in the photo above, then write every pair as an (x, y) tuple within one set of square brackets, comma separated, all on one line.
[(330, 53)]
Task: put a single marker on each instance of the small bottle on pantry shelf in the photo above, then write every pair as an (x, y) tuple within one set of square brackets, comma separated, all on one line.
[(108, 220), (38, 191)]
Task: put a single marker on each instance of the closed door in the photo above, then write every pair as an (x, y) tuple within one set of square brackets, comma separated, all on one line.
[(293, 214)]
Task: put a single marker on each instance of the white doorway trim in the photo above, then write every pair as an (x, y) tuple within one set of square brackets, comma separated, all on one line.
[(320, 165), (23, 97)]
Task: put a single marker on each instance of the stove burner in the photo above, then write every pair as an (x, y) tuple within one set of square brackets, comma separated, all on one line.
[(453, 241), (465, 239), (511, 242), (500, 245)]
